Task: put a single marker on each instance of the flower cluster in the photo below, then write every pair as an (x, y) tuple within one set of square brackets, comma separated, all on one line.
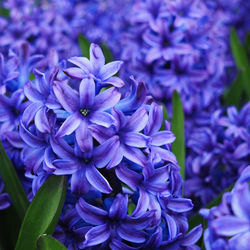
[(16, 67), (54, 26), (125, 188), (218, 149), (107, 21), (228, 223), (179, 45)]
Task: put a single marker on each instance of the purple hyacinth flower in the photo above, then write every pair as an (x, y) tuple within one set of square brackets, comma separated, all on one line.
[(114, 223), (66, 231), (8, 72), (243, 149), (85, 108), (37, 152), (130, 140), (26, 62), (83, 166), (152, 183), (218, 151), (37, 180), (11, 110), (165, 44), (186, 241), (42, 98), (236, 122), (148, 12), (186, 12), (13, 146), (95, 68), (135, 99), (159, 140), (182, 76)]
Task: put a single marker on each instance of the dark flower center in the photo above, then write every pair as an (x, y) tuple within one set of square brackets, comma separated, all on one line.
[(179, 71), (86, 160), (84, 112), (181, 12), (15, 111)]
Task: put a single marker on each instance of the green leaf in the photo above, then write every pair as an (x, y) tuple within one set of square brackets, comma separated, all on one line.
[(9, 227), (233, 96), (4, 12), (47, 242), (32, 77), (165, 117), (131, 208), (198, 219), (12, 184), (241, 59), (177, 127), (43, 213), (107, 53), (84, 45), (247, 42)]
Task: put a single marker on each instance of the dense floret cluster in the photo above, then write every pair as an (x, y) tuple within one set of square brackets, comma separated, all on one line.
[(218, 150), (66, 110), (54, 26), (75, 122), (179, 45)]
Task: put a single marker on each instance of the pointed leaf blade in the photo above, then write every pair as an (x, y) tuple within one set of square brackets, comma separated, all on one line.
[(43, 213), (165, 117), (241, 59), (177, 127), (12, 184), (84, 45), (233, 96), (107, 53), (47, 242)]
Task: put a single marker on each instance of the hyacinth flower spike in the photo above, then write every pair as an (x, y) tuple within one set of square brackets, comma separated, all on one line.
[(85, 108), (113, 224), (95, 68)]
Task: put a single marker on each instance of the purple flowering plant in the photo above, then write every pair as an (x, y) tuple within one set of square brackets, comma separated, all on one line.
[(92, 157), (124, 180)]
